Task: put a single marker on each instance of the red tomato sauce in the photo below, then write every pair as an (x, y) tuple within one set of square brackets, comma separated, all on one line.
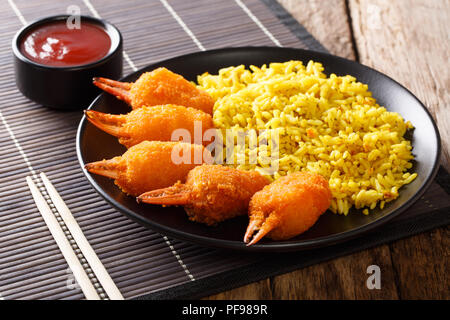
[(53, 44)]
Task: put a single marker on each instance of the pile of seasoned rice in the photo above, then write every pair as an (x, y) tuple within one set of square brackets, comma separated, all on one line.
[(328, 125)]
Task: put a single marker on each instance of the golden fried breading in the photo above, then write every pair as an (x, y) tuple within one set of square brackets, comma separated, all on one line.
[(150, 165), (152, 123), (211, 194), (158, 87), (288, 206)]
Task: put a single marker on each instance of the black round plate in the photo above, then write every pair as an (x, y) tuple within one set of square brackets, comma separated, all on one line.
[(93, 145)]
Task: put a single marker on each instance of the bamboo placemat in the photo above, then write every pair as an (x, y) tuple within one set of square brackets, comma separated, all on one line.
[(142, 263)]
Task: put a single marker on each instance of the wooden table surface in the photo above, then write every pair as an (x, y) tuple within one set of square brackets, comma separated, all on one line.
[(409, 41)]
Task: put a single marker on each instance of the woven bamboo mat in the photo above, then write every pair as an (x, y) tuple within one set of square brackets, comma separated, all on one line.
[(142, 263)]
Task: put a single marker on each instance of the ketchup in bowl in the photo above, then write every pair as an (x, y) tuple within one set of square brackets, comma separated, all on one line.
[(54, 44), (54, 65)]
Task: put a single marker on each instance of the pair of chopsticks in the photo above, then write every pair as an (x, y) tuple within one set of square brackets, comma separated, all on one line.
[(63, 243)]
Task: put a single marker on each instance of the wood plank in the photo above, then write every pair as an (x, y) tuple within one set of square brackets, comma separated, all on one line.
[(260, 290), (327, 22), (410, 44), (341, 278), (421, 265)]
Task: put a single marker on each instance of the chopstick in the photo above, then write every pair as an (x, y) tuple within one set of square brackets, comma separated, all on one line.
[(91, 257), (66, 249)]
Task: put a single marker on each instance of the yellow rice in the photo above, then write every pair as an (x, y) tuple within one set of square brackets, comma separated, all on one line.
[(328, 125)]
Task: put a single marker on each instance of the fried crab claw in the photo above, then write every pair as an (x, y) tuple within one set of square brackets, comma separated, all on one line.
[(176, 195), (287, 207), (108, 168), (156, 123), (110, 123), (134, 171), (211, 194), (121, 90), (158, 87)]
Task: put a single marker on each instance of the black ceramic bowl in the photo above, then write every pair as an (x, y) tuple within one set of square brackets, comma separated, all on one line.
[(65, 87)]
